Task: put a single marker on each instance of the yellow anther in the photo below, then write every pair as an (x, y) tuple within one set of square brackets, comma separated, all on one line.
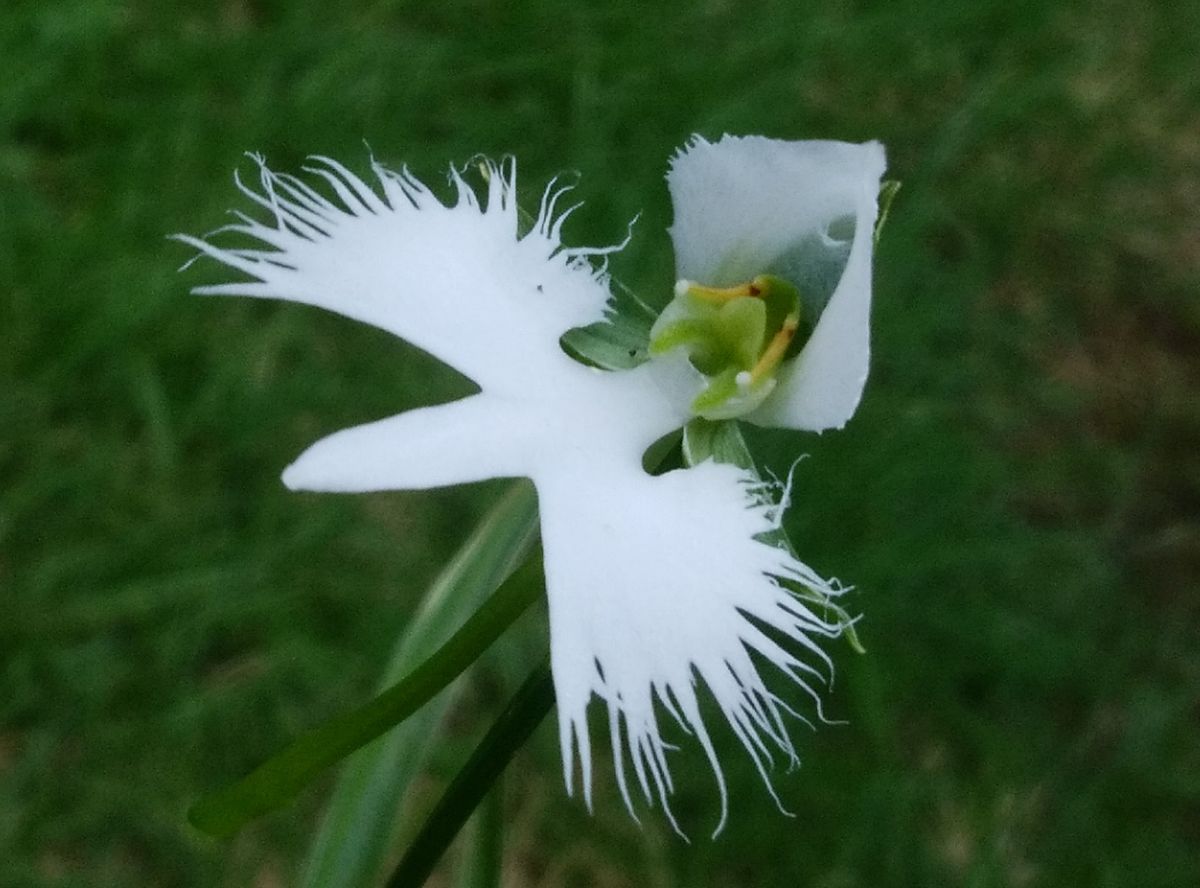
[(719, 295), (775, 350)]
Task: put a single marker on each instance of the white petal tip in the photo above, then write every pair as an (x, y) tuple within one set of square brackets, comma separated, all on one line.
[(291, 478), (309, 474), (682, 286)]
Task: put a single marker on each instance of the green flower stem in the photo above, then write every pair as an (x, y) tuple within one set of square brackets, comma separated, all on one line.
[(277, 781), (526, 710)]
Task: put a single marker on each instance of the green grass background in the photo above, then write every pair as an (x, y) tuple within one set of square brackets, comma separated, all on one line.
[(1017, 502)]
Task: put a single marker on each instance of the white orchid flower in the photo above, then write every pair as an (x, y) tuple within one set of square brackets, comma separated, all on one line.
[(655, 584)]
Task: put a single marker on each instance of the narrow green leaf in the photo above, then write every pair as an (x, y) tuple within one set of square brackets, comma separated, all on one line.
[(362, 817), (482, 863), (723, 442), (277, 781), (523, 714)]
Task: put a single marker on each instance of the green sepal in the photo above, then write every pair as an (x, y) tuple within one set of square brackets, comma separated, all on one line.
[(621, 341), (616, 344), (277, 781), (719, 441), (887, 193)]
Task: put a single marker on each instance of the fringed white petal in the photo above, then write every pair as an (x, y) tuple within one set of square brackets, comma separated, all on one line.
[(806, 211), (452, 279), (657, 586)]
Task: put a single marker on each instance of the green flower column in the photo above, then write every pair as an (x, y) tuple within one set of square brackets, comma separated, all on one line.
[(736, 336)]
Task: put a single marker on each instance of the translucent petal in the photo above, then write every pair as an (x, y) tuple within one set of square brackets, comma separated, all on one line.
[(749, 205)]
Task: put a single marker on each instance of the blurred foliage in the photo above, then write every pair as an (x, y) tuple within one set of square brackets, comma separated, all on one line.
[(1018, 501)]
